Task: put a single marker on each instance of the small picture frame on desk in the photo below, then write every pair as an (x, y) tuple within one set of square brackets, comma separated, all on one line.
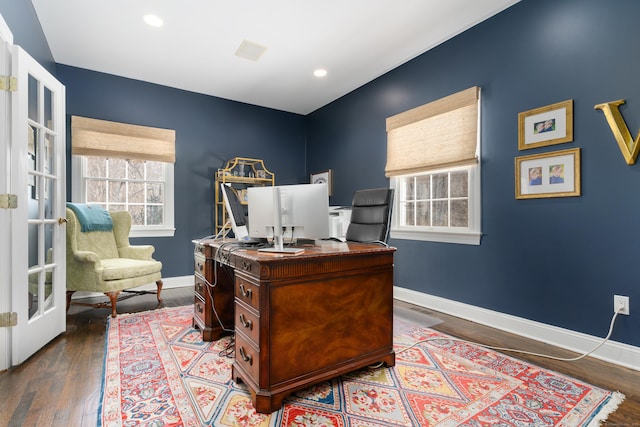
[(323, 177)]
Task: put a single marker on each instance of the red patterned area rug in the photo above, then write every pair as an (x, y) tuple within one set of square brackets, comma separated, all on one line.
[(158, 372)]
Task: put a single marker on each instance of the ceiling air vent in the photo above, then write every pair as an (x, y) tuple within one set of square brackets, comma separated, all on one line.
[(250, 50)]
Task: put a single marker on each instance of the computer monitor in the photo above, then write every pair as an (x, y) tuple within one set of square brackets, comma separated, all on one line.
[(235, 212), (303, 212)]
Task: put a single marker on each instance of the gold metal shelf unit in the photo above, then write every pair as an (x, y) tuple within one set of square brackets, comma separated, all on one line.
[(240, 173)]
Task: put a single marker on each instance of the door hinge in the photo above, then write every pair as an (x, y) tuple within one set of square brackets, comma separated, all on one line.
[(8, 320), (8, 201), (8, 83)]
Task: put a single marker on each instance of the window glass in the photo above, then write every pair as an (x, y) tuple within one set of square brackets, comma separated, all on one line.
[(430, 205), (137, 186)]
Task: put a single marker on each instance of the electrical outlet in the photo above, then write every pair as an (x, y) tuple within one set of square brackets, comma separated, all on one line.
[(621, 303)]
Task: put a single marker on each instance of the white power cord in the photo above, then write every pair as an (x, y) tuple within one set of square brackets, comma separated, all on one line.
[(563, 359)]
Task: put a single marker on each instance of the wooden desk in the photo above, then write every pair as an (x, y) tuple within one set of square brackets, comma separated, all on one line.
[(306, 318)]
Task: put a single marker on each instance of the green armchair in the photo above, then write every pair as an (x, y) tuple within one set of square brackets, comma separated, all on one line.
[(104, 261)]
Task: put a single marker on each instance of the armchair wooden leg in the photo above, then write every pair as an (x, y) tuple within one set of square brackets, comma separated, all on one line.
[(159, 285), (69, 293), (113, 296)]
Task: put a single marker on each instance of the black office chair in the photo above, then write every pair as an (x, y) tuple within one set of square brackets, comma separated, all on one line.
[(370, 215)]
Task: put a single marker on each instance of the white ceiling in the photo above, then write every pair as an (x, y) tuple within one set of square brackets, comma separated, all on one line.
[(354, 40)]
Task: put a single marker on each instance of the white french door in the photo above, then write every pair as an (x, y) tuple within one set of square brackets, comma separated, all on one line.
[(37, 254)]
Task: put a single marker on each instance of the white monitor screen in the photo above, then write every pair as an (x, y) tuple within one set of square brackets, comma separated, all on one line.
[(304, 211)]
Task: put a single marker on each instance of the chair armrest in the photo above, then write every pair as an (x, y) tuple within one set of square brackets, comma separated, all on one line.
[(86, 256), (137, 251)]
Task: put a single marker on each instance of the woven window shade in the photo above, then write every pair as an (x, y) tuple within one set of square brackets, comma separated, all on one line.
[(92, 137), (443, 133)]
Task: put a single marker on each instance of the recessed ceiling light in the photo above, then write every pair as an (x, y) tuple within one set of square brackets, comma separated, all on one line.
[(153, 20), (320, 72)]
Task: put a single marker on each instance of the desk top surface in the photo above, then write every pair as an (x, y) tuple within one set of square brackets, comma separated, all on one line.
[(319, 249)]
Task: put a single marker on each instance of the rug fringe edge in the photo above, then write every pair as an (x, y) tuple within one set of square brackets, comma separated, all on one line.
[(616, 399)]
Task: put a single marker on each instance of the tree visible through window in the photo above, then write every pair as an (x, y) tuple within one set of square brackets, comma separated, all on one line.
[(435, 200), (132, 185)]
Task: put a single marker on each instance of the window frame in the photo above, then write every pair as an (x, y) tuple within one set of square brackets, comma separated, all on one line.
[(78, 194), (470, 235)]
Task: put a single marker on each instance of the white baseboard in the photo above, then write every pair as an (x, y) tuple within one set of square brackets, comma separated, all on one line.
[(167, 283), (612, 351)]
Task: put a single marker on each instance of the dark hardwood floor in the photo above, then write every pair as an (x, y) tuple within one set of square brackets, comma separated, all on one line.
[(60, 385)]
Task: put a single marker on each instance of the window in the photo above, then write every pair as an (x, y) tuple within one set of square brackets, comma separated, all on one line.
[(440, 205), (144, 188), (125, 167), (433, 162)]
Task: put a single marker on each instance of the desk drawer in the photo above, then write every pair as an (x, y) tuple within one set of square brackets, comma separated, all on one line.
[(247, 323), (201, 287), (203, 266), (200, 310), (247, 357), (247, 292)]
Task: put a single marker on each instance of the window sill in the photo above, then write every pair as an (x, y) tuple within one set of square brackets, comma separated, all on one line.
[(152, 232), (465, 238)]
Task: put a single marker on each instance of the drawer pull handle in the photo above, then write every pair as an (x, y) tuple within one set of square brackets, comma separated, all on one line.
[(244, 291), (199, 287), (246, 266), (199, 266), (246, 323), (245, 357), (200, 310)]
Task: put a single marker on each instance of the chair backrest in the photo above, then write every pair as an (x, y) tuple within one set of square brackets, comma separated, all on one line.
[(104, 243), (370, 215)]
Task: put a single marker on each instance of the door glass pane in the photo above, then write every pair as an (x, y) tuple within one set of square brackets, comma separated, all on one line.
[(49, 230), (34, 275), (48, 154), (32, 295), (49, 186), (48, 108), (33, 245), (33, 98)]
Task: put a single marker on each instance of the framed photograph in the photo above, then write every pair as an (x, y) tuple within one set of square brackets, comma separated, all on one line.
[(323, 177), (548, 125), (554, 174)]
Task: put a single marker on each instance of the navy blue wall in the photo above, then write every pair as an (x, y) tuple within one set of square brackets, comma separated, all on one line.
[(209, 131), (558, 261)]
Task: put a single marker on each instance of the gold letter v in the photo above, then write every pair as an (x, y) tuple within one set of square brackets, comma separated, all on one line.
[(628, 146)]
